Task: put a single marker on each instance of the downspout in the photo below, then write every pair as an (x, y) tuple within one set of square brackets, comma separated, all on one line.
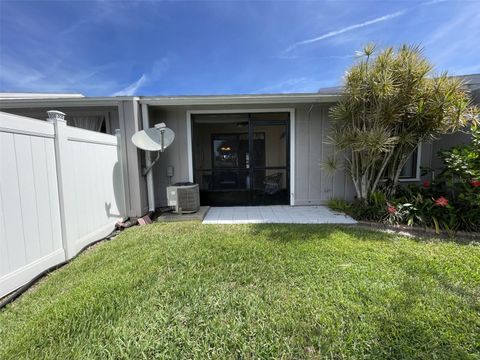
[(148, 162)]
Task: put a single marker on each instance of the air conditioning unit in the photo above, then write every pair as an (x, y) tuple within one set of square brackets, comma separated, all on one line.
[(184, 197)]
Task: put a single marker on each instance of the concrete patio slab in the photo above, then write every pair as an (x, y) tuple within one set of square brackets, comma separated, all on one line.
[(280, 214), (171, 217)]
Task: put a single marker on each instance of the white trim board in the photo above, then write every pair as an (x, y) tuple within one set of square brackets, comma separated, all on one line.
[(243, 111), (417, 170), (254, 99)]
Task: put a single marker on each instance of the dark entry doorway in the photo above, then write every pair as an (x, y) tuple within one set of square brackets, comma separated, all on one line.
[(242, 159)]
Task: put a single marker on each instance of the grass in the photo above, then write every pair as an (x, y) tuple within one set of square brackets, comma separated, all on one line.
[(183, 290)]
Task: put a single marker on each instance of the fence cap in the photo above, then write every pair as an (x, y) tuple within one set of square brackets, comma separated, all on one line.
[(55, 115)]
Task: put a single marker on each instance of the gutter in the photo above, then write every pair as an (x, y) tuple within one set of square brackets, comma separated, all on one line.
[(173, 100), (63, 102), (240, 99)]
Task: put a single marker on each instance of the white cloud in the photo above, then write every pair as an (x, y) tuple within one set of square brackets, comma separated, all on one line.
[(132, 88), (30, 63), (295, 85), (433, 2), (14, 72), (296, 56), (358, 26), (449, 27), (157, 70), (451, 47), (22, 74), (346, 29), (468, 21)]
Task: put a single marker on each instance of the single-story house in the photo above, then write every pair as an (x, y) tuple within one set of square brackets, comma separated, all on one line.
[(240, 149)]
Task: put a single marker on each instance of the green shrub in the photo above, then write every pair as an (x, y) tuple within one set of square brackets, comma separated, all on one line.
[(453, 207), (450, 203), (391, 101), (463, 162), (373, 209), (341, 205)]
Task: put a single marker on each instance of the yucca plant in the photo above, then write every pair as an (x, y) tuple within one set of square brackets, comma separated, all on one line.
[(392, 101)]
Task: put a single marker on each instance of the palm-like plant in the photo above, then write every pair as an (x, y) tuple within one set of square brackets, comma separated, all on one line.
[(391, 103)]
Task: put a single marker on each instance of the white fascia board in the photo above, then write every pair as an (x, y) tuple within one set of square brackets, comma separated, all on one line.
[(71, 102), (172, 100), (241, 99), (39, 95)]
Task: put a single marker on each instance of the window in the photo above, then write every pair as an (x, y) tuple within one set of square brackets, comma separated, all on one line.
[(92, 123), (411, 169)]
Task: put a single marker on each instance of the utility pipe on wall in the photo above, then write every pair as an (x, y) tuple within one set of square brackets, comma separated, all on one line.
[(148, 162)]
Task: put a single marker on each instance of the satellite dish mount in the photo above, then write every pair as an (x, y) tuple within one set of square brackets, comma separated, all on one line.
[(153, 139)]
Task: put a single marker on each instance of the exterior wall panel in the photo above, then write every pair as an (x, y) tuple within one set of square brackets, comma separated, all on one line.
[(302, 137), (136, 188), (314, 184), (446, 142)]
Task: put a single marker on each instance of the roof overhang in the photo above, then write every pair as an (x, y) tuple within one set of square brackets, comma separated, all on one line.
[(62, 102), (172, 100), (15, 95), (240, 99)]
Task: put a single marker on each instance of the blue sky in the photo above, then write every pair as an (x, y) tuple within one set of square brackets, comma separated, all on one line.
[(218, 47)]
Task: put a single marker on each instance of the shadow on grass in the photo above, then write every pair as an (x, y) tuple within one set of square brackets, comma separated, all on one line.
[(309, 232), (305, 232), (409, 330), (404, 329)]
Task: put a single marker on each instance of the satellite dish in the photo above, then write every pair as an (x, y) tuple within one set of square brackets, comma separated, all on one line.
[(157, 138)]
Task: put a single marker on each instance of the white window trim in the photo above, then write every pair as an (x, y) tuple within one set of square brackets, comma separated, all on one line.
[(417, 170), (240, 111)]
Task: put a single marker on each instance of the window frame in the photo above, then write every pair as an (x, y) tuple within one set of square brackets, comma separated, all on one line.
[(417, 167)]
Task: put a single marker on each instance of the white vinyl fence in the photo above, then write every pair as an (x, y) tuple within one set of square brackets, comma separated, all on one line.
[(61, 188)]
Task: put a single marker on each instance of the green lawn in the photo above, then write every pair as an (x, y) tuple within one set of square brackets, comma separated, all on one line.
[(185, 290)]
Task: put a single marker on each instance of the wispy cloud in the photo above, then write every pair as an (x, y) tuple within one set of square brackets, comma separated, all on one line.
[(20, 74), (45, 58), (157, 70), (466, 18), (359, 25), (346, 29), (445, 45), (295, 85), (295, 56), (132, 88), (433, 2)]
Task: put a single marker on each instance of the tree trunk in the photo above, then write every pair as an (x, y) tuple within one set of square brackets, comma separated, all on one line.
[(381, 171), (400, 165)]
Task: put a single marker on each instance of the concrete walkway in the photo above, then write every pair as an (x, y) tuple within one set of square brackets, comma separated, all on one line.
[(280, 214)]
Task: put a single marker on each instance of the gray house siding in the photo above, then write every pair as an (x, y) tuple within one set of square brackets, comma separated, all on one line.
[(132, 158), (431, 158), (176, 155), (314, 184), (446, 142)]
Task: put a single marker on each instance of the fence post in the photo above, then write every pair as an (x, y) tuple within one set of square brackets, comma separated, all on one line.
[(57, 118)]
